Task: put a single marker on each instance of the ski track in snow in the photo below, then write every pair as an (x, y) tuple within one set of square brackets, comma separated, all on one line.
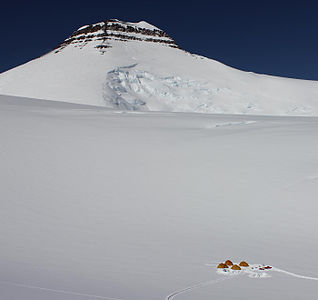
[(193, 287), (294, 275), (56, 290)]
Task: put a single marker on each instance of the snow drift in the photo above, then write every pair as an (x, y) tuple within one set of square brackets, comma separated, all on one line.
[(137, 66)]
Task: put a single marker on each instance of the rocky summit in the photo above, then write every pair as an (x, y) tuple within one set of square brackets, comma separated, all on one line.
[(100, 34)]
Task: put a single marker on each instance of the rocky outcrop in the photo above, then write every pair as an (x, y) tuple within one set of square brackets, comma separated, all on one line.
[(102, 33)]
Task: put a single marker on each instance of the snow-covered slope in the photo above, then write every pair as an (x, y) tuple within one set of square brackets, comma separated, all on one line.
[(97, 204), (137, 66)]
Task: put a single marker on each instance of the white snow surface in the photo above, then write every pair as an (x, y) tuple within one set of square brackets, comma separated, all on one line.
[(100, 203), (149, 76)]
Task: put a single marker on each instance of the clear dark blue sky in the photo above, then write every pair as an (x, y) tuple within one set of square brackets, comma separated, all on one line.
[(271, 37)]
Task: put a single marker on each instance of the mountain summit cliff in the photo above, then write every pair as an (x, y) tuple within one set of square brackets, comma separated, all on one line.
[(102, 33)]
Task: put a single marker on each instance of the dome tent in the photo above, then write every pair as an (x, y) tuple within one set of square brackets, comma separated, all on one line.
[(229, 263), (236, 267), (244, 264)]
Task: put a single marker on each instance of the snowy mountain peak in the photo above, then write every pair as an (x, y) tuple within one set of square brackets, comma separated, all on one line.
[(136, 66), (101, 34)]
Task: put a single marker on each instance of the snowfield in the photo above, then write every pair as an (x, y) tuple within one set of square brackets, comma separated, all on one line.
[(107, 204)]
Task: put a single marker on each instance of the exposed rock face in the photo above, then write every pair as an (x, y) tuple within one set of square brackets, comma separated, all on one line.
[(102, 33)]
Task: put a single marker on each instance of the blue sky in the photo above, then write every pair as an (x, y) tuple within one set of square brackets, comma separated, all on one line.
[(271, 37)]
